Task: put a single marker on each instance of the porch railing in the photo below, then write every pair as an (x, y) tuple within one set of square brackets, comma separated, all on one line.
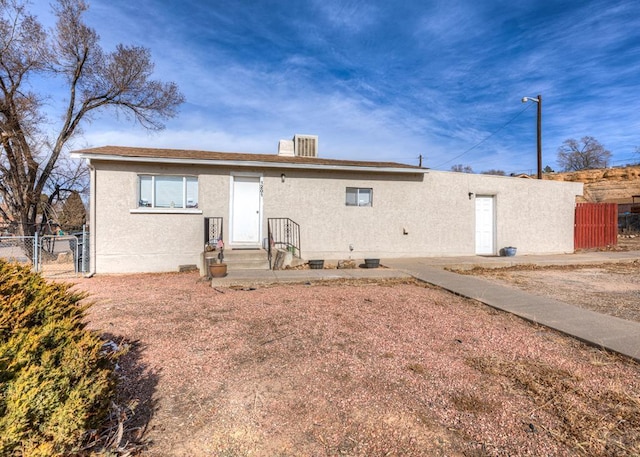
[(213, 230), (283, 233), (214, 235)]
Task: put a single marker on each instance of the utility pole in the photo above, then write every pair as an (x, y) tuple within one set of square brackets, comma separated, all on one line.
[(539, 136), (539, 102)]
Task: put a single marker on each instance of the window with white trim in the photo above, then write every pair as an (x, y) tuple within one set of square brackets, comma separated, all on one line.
[(161, 191), (358, 196)]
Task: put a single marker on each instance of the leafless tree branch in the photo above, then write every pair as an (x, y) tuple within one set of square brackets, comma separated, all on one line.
[(585, 154), (30, 160)]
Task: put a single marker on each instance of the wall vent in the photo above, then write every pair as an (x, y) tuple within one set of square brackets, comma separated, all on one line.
[(305, 145), (285, 148)]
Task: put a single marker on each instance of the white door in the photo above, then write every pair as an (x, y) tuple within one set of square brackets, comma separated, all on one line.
[(245, 212), (485, 225)]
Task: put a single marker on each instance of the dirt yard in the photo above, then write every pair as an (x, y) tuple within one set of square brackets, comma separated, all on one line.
[(612, 289), (355, 368)]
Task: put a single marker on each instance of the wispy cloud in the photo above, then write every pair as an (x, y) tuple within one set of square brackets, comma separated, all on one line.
[(388, 81)]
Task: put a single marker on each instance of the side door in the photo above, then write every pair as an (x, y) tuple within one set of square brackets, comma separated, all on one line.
[(485, 225)]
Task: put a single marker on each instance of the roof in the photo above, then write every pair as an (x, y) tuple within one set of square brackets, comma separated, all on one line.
[(184, 156)]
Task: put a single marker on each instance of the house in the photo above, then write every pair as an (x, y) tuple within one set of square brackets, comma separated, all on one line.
[(149, 206)]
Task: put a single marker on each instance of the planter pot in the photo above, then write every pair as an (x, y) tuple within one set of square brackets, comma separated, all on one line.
[(218, 270), (509, 251), (316, 264), (371, 263)]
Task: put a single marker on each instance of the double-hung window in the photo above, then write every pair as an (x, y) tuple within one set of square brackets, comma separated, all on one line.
[(358, 196), (157, 191)]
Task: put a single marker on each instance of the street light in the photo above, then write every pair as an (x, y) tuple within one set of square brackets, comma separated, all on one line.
[(539, 102)]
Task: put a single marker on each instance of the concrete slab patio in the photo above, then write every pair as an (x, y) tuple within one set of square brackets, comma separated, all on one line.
[(468, 262), (256, 277)]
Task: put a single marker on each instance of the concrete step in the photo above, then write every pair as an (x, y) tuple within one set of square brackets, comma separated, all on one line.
[(246, 259)]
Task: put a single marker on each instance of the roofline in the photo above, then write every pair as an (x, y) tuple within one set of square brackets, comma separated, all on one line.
[(246, 163)]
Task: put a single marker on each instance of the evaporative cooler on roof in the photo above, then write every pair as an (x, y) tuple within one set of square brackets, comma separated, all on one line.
[(305, 145)]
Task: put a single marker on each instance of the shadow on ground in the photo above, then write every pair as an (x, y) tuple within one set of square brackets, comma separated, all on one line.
[(135, 405)]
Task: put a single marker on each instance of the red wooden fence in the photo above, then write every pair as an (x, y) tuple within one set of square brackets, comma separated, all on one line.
[(596, 225)]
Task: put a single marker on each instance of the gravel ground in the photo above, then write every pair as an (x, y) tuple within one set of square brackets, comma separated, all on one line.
[(612, 288), (355, 368)]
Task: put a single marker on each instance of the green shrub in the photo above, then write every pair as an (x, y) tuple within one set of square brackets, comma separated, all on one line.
[(55, 379)]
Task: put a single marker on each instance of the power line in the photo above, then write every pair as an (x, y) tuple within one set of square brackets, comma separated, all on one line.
[(628, 160), (485, 139)]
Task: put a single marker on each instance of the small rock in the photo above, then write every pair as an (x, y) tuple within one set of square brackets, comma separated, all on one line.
[(346, 264), (65, 257)]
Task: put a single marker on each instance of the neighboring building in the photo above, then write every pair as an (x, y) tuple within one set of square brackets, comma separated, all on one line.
[(148, 207)]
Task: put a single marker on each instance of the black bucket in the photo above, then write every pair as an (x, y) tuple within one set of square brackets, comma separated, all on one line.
[(371, 263)]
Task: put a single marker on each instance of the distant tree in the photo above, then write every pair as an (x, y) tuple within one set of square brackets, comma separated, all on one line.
[(494, 172), (74, 214), (68, 177), (31, 145), (583, 155), (548, 169), (459, 168)]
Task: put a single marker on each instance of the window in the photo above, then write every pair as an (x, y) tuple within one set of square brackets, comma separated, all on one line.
[(357, 196), (168, 191)]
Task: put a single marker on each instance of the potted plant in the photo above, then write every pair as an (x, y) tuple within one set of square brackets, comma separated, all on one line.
[(214, 257), (218, 270)]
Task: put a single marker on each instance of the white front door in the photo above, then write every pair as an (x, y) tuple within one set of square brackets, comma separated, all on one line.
[(485, 225), (246, 219)]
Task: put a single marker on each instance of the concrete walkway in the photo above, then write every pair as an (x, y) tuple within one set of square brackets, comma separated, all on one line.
[(582, 258), (258, 277), (611, 333)]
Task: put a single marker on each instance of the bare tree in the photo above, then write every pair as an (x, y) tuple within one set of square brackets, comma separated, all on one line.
[(494, 172), (69, 177), (31, 148), (459, 168), (585, 154)]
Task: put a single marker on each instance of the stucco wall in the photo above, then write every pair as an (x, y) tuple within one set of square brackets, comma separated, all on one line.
[(412, 215), (128, 241), (435, 212)]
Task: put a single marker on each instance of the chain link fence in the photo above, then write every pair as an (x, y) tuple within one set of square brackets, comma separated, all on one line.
[(19, 249), (629, 223), (51, 255)]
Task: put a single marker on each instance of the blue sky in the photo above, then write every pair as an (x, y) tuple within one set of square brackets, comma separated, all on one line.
[(380, 80)]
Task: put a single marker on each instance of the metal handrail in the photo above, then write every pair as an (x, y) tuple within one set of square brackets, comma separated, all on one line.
[(214, 234), (283, 233)]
